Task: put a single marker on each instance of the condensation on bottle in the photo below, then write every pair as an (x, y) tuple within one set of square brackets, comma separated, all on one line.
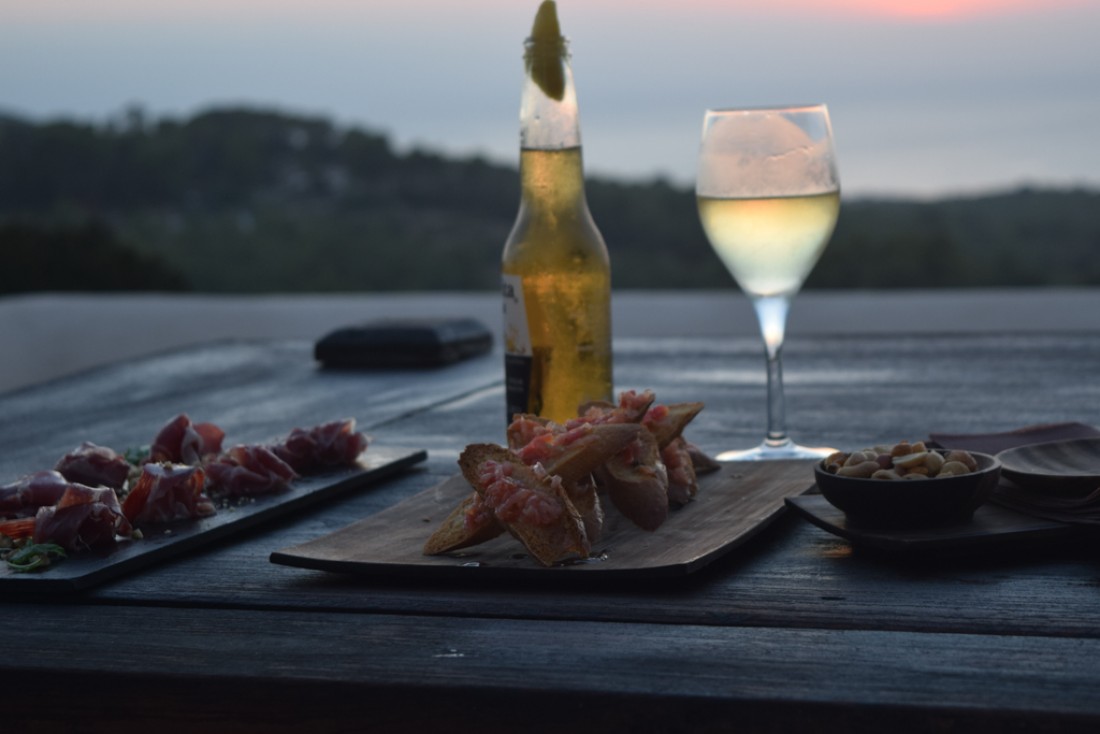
[(556, 274)]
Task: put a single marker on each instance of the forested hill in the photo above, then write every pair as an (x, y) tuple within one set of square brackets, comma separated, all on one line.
[(240, 200)]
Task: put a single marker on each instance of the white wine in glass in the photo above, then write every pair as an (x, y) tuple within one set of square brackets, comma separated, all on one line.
[(769, 195)]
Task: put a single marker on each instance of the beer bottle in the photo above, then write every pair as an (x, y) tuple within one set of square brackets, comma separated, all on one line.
[(556, 275)]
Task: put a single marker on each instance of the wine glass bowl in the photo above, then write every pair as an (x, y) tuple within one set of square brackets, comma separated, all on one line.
[(769, 195)]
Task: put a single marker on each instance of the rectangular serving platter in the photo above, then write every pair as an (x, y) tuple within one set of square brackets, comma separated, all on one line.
[(733, 504), (83, 570)]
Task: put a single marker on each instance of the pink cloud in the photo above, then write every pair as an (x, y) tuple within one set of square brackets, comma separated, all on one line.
[(916, 9)]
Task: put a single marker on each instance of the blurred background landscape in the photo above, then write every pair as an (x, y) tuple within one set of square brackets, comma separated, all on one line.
[(269, 147), (252, 201)]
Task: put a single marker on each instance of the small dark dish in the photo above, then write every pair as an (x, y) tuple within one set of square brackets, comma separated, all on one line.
[(1072, 465), (909, 503)]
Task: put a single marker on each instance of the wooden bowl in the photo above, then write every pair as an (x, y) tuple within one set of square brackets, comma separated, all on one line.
[(910, 503), (1058, 466)]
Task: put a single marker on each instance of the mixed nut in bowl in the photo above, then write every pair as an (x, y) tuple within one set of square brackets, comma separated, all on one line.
[(907, 484)]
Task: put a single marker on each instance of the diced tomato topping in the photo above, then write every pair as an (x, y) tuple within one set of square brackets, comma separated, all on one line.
[(539, 449), (478, 514), (512, 502), (655, 415), (16, 529), (523, 430), (573, 435), (550, 444), (631, 400)]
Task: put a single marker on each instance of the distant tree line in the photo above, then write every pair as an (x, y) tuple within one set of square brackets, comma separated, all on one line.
[(243, 200), (82, 258)]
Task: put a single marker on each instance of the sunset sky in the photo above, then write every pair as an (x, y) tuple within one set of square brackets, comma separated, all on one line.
[(928, 97)]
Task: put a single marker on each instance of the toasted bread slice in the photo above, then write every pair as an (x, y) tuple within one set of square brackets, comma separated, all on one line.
[(468, 524), (703, 464), (538, 512), (575, 453), (584, 497), (667, 423), (682, 482), (637, 482)]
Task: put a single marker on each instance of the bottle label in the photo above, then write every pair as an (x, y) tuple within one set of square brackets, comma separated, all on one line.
[(518, 356)]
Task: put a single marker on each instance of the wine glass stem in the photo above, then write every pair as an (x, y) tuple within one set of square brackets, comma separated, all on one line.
[(771, 313)]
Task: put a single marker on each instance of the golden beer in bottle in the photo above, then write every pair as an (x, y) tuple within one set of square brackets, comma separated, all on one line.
[(556, 275)]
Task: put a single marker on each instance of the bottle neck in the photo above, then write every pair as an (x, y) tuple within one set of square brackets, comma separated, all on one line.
[(551, 168), (548, 108), (552, 179)]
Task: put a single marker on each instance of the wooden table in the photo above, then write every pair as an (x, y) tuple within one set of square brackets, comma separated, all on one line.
[(795, 630)]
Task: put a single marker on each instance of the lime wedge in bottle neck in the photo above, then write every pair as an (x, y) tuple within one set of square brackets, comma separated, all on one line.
[(545, 52)]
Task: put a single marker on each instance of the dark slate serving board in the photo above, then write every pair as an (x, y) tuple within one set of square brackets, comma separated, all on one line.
[(80, 571), (733, 505)]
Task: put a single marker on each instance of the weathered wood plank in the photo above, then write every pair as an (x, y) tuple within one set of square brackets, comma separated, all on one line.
[(370, 668), (792, 575)]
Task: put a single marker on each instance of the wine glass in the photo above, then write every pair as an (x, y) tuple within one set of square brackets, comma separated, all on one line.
[(768, 196)]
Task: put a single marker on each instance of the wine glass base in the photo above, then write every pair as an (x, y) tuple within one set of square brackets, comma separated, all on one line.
[(776, 451)]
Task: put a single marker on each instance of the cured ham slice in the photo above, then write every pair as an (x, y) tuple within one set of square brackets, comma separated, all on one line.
[(23, 497), (184, 442), (94, 466), (249, 471), (328, 445), (75, 506), (167, 492), (83, 518)]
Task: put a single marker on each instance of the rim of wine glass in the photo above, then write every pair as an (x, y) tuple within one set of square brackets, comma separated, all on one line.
[(767, 108)]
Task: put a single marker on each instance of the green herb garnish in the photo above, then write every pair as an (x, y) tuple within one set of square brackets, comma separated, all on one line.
[(136, 455), (34, 557)]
